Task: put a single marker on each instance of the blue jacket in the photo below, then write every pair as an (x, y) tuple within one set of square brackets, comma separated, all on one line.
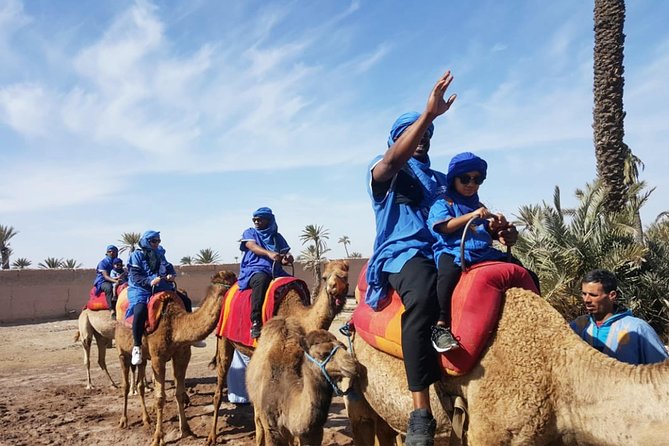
[(253, 263), (104, 265), (622, 336)]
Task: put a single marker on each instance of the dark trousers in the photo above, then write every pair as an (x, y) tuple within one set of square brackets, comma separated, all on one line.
[(108, 289), (448, 274), (188, 304), (140, 314), (416, 285), (259, 282)]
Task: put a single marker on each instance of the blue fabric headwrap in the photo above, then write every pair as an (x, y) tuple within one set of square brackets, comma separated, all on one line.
[(402, 123), (267, 235), (148, 235), (116, 260), (112, 248), (462, 163)]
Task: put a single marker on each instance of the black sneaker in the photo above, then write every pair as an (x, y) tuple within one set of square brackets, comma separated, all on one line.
[(255, 329), (421, 428), (113, 315), (442, 339)]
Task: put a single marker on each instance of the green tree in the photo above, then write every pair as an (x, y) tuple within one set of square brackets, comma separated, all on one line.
[(6, 234), (344, 240), (186, 260), (355, 255), (51, 263), (206, 256), (70, 264), (313, 255), (21, 263), (129, 241), (561, 245), (608, 114)]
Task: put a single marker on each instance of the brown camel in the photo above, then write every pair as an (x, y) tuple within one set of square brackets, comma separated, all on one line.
[(171, 340), (99, 325), (537, 383), (291, 395), (329, 302)]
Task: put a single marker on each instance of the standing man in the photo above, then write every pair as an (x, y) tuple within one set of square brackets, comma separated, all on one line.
[(104, 281), (402, 187), (611, 328)]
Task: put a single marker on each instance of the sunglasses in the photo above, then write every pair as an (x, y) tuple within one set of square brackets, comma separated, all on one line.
[(154, 240), (465, 179), (257, 219)]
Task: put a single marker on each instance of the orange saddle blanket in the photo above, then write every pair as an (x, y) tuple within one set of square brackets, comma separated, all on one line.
[(100, 302), (235, 320), (476, 304), (155, 307)]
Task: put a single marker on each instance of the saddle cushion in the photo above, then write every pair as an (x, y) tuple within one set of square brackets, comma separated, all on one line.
[(235, 320), (96, 303), (155, 307), (476, 305)]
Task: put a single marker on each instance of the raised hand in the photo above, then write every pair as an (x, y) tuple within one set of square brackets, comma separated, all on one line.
[(436, 104)]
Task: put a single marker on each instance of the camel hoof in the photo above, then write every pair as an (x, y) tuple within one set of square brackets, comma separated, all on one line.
[(186, 432), (210, 441), (123, 424)]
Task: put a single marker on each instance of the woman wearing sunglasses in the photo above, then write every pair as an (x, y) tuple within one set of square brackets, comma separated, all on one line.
[(447, 219)]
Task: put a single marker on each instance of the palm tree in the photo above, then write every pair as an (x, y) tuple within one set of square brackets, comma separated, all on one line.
[(6, 233), (344, 240), (608, 114), (355, 255), (206, 256), (51, 263), (21, 263), (561, 245), (312, 256), (70, 264), (129, 241), (186, 260)]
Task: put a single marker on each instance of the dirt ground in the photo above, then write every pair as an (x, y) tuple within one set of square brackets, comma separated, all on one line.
[(44, 401)]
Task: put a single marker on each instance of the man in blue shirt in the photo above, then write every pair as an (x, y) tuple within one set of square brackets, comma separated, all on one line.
[(611, 328), (104, 281)]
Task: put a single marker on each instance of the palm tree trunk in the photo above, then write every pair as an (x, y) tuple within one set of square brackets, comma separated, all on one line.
[(608, 114)]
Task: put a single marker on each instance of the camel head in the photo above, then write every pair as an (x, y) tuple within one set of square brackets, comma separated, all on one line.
[(225, 278), (335, 283), (323, 347)]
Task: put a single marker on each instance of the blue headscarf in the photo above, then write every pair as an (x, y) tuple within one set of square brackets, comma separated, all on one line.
[(402, 123), (460, 164), (267, 235), (153, 256), (112, 248)]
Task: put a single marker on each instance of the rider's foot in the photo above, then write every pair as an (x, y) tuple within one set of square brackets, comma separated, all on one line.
[(442, 339), (255, 329), (136, 358), (199, 344), (422, 426)]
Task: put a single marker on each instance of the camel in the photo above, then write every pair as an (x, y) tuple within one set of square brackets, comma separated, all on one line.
[(537, 383), (291, 396), (98, 325), (329, 302), (171, 340)]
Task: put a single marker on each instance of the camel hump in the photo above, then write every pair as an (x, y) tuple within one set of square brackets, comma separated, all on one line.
[(475, 309)]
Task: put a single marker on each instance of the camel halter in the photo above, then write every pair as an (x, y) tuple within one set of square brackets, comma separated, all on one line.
[(321, 365)]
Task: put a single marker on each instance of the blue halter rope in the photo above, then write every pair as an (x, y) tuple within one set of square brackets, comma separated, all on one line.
[(321, 365)]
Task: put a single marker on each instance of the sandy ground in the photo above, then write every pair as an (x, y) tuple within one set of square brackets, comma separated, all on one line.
[(44, 400)]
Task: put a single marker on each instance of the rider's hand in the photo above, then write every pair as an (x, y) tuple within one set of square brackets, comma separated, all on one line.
[(288, 259), (155, 281), (436, 105), (481, 212), (498, 222), (170, 277), (508, 236), (276, 257)]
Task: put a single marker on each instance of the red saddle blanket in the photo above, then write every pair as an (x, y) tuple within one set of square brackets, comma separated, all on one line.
[(155, 307), (235, 320), (100, 302), (476, 304)]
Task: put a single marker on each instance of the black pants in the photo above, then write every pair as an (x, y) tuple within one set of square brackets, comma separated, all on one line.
[(416, 285), (140, 314), (448, 274), (108, 289), (188, 304), (259, 282)]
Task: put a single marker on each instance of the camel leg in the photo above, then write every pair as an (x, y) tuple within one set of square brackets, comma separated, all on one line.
[(224, 352), (102, 343), (260, 430), (125, 388), (86, 344), (158, 367), (179, 366), (367, 426), (139, 372)]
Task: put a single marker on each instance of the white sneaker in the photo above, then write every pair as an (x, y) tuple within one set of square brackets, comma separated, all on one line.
[(199, 344), (136, 356)]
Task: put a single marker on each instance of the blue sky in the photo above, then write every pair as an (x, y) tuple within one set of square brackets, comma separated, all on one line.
[(184, 117)]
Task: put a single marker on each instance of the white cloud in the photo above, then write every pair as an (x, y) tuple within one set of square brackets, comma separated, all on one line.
[(27, 108)]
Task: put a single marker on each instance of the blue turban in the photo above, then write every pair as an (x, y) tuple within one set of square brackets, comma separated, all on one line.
[(112, 248), (148, 235), (402, 123), (264, 212), (465, 162), (116, 260)]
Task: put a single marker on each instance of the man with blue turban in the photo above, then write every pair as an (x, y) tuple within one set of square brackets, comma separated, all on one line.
[(402, 187), (265, 250)]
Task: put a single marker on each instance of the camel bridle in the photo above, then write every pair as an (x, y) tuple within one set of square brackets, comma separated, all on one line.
[(321, 365)]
